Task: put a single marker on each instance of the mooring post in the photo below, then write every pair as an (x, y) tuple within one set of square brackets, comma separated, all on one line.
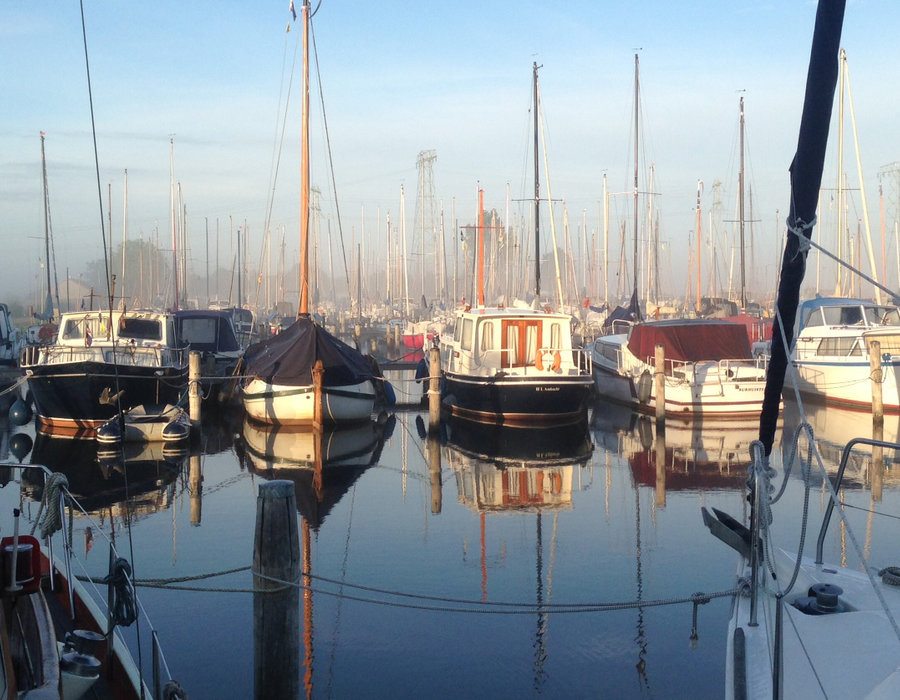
[(660, 465), (396, 336), (194, 388), (876, 376), (434, 388), (276, 597), (660, 377), (318, 395)]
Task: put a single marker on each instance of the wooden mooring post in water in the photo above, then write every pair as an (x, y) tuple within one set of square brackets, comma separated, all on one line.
[(194, 389), (877, 379), (434, 388), (659, 375), (276, 597)]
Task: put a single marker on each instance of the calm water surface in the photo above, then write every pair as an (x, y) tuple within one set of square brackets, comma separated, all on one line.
[(474, 564)]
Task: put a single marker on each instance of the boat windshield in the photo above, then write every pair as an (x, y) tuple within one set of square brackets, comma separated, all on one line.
[(140, 329)]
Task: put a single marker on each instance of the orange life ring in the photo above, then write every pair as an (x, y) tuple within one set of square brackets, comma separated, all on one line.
[(545, 358)]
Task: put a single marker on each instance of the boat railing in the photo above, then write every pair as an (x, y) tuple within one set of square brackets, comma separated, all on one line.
[(53, 523), (838, 479), (726, 370), (124, 354)]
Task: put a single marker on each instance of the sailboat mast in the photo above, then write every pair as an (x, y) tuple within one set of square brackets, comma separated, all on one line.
[(174, 220), (537, 196), (480, 248), (636, 93), (303, 309), (741, 211), (48, 304)]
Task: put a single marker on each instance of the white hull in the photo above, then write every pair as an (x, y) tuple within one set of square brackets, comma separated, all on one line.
[(281, 404), (831, 353), (725, 388), (852, 654)]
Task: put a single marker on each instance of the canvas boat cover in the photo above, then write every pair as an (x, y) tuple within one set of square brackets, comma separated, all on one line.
[(288, 358), (691, 340)]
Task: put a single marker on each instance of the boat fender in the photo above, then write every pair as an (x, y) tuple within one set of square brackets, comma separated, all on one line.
[(644, 384), (557, 361)]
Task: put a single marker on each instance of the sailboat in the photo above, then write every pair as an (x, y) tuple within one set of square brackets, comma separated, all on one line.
[(707, 367), (801, 626), (304, 375), (514, 365)]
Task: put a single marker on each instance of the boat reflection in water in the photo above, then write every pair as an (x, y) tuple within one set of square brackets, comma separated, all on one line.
[(504, 469), (834, 427), (508, 468), (128, 481), (323, 466)]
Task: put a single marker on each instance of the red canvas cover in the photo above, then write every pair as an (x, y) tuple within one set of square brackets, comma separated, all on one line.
[(757, 328), (690, 340)]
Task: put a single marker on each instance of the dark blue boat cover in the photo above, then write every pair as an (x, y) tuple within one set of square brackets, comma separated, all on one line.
[(288, 358)]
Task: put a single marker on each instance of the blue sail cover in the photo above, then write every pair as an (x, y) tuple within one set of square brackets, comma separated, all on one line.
[(288, 358)]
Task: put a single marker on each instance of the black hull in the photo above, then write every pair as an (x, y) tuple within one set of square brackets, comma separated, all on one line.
[(68, 397), (517, 400)]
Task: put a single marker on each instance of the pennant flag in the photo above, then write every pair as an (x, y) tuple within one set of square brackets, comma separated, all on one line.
[(293, 11)]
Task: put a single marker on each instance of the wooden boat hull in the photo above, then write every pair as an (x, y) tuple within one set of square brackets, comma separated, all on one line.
[(69, 398), (517, 399), (282, 404)]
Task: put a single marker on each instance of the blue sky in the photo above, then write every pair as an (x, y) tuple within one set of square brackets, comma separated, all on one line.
[(402, 77)]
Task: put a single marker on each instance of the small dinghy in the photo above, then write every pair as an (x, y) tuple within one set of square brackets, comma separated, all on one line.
[(147, 423)]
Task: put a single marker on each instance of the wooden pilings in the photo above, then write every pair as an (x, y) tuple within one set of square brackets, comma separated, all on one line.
[(434, 388), (877, 379), (194, 389), (276, 597), (659, 376)]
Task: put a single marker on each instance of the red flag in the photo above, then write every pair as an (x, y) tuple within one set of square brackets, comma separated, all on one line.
[(88, 337)]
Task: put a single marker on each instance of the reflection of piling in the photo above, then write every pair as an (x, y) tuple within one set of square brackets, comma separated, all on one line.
[(875, 366), (434, 388), (660, 465), (276, 605), (194, 388), (659, 374), (195, 489), (877, 461), (434, 472)]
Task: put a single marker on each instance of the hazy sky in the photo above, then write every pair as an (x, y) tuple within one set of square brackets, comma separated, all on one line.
[(402, 77)]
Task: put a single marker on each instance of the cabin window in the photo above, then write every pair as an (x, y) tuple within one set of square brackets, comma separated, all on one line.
[(882, 315), (521, 339), (140, 329), (467, 331), (843, 315), (72, 330), (487, 336), (199, 333), (457, 332), (839, 347), (555, 337), (810, 318)]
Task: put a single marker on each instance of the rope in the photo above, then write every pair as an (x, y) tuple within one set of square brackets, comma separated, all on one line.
[(48, 517), (446, 604), (123, 611)]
